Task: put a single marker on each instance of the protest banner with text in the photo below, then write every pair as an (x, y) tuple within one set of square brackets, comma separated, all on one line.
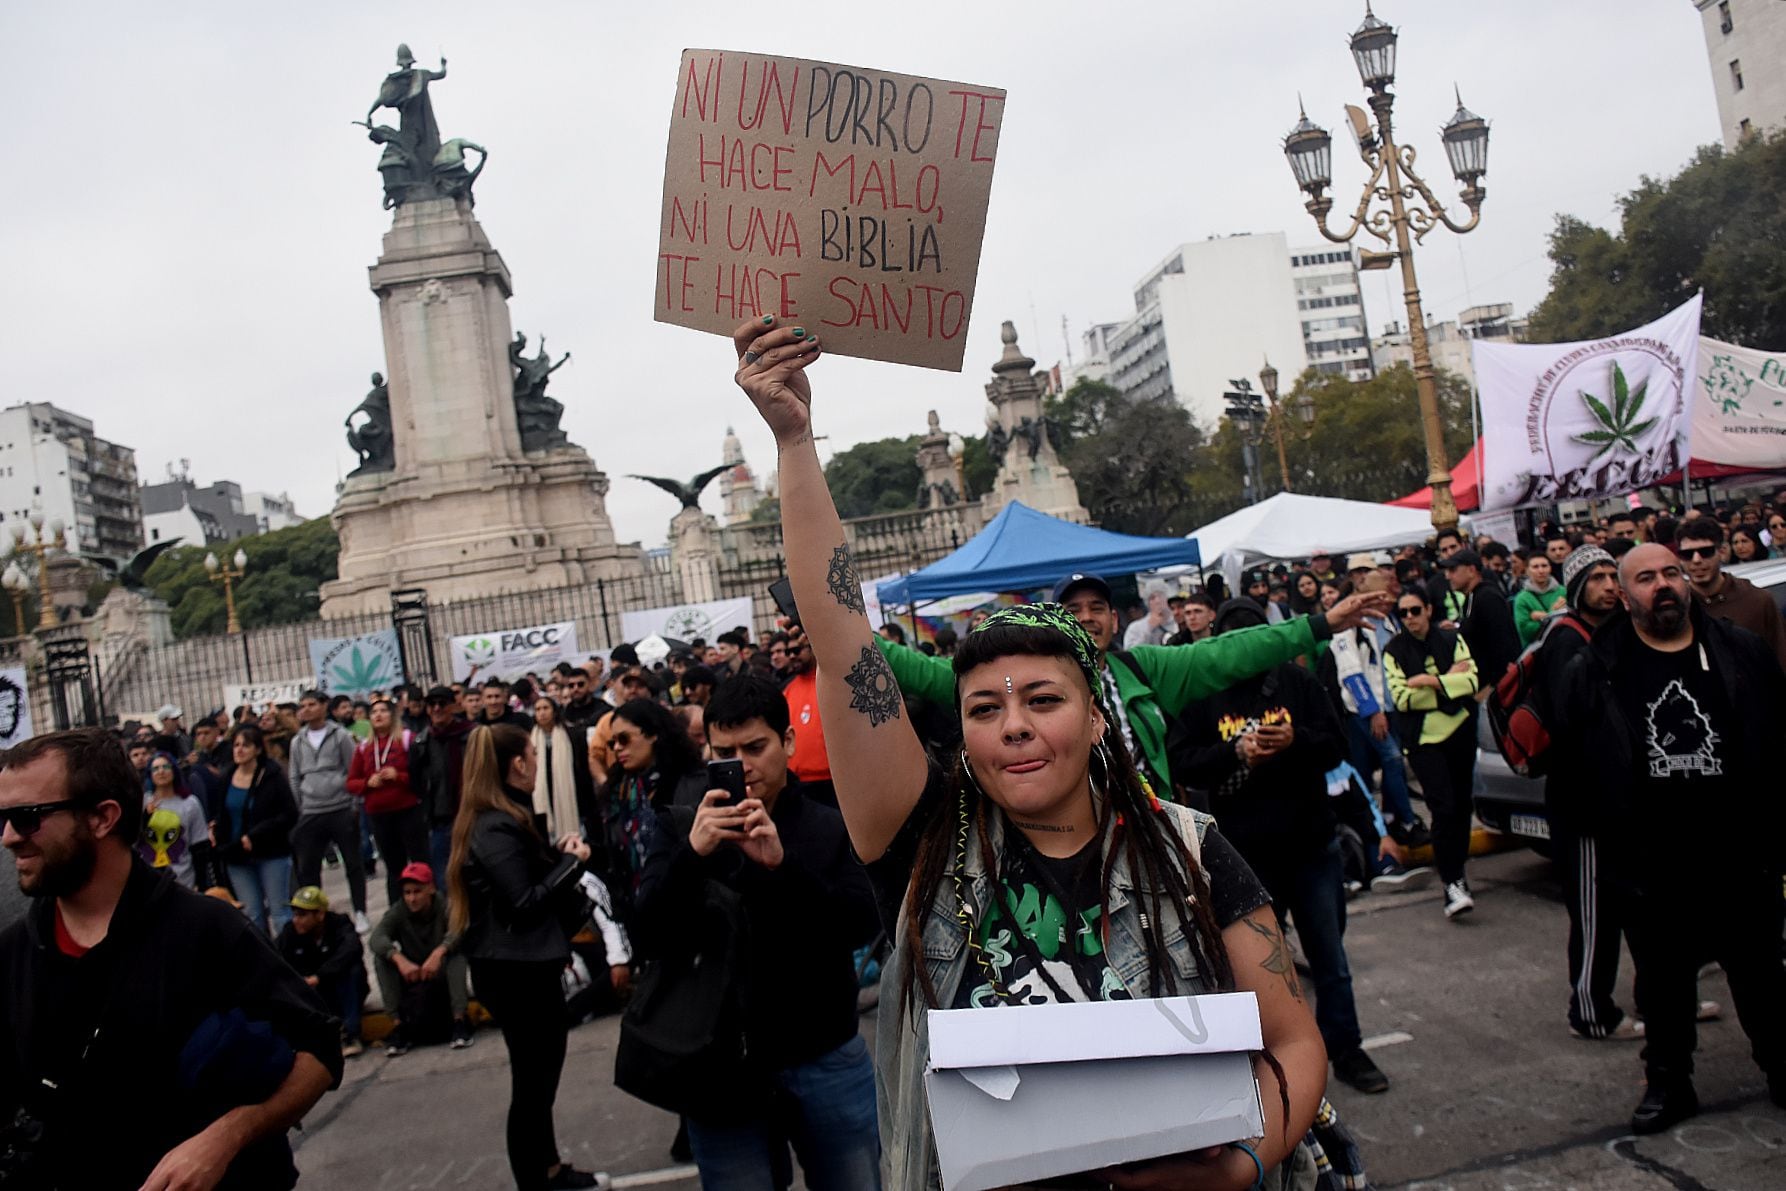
[(261, 695), (685, 622), (1739, 413), (849, 201), (359, 665), (510, 653)]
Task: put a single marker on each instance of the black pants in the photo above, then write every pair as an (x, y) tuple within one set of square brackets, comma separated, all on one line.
[(402, 837), (310, 841), (1596, 922), (1736, 920), (527, 1001), (1447, 771)]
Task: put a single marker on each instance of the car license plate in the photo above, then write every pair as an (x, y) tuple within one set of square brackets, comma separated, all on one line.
[(1530, 825)]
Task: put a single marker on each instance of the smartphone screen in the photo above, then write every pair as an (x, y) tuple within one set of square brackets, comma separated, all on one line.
[(782, 592), (727, 776)]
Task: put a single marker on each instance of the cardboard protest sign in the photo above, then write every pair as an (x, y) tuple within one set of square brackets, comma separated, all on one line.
[(845, 200)]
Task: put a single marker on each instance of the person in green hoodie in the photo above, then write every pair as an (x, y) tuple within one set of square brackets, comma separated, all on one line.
[(1538, 597), (1150, 683)]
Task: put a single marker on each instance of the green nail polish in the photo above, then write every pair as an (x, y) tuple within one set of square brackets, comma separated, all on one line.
[(799, 332), (767, 319)]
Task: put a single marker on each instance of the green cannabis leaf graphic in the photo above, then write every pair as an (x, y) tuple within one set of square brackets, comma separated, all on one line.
[(1619, 427), (361, 674)]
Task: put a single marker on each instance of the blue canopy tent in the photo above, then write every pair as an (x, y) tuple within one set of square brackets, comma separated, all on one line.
[(1021, 549)]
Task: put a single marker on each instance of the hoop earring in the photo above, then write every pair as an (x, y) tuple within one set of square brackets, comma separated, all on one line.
[(1101, 754)]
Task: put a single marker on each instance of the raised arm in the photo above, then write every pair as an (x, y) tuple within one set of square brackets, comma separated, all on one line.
[(876, 761)]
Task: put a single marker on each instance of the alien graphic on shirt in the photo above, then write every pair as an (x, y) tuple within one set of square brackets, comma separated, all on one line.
[(1680, 736), (163, 840)]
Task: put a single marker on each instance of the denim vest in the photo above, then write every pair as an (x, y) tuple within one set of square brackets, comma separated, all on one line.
[(902, 1039)]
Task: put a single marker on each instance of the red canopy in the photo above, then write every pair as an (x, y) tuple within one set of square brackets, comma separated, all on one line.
[(1466, 485)]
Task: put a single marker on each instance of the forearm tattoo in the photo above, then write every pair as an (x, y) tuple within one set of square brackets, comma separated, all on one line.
[(842, 583), (873, 692), (1279, 962)]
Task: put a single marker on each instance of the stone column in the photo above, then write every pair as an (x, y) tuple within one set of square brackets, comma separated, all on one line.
[(694, 552), (1029, 469)]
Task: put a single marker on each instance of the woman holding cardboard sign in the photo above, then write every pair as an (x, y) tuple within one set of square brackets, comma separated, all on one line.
[(1043, 869)]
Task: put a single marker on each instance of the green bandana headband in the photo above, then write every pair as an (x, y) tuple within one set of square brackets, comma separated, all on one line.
[(1053, 616)]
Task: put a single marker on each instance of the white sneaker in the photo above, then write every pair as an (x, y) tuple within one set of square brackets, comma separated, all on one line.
[(1458, 899), (360, 923)]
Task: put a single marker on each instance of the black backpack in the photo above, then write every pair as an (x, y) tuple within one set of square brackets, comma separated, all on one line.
[(682, 1043)]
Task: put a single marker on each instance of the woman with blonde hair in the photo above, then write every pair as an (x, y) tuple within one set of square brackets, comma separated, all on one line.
[(513, 895)]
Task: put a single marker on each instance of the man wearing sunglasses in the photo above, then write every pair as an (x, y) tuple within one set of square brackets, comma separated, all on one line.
[(117, 972), (1727, 597)]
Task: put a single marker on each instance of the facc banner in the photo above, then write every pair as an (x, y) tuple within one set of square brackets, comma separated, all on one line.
[(1577, 421), (1739, 413), (510, 653), (685, 622), (357, 665)]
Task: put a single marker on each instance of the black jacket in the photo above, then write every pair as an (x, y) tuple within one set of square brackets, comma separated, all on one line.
[(267, 818), (1561, 646), (517, 886), (1281, 804), (1487, 628), (170, 959), (1597, 746), (807, 918), (330, 953), (436, 763)]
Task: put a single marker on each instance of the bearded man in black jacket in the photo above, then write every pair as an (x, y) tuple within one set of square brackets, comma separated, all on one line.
[(119, 979)]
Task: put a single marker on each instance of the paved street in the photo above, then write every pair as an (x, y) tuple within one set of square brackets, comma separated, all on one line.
[(1490, 1090)]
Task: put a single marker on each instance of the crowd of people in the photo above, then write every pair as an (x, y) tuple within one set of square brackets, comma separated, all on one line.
[(733, 844)]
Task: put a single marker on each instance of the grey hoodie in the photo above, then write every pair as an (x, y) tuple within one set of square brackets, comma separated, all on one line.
[(319, 774)]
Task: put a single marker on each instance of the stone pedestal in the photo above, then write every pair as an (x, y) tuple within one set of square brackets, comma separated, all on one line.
[(694, 553), (1029, 468), (465, 512)]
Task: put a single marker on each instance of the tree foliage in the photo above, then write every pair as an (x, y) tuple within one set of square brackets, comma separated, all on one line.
[(880, 476), (285, 570), (1718, 225), (1132, 459)]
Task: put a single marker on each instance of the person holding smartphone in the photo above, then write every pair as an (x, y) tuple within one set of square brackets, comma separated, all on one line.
[(808, 906)]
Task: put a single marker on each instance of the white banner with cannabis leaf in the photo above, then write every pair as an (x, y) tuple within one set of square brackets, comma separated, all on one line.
[(359, 665), (1739, 411), (1577, 421)]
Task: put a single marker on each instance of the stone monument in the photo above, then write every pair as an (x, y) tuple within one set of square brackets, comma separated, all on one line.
[(1025, 441), (466, 486), (939, 482)]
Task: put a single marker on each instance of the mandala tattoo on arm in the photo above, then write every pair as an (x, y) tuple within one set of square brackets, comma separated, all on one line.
[(1279, 962), (842, 583), (873, 691)]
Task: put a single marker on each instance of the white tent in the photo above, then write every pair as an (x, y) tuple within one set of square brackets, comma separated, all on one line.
[(1290, 525)]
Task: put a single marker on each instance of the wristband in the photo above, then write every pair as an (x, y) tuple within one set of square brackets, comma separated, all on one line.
[(1258, 1166)]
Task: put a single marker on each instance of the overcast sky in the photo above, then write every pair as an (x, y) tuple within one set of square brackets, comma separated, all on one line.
[(189, 213)]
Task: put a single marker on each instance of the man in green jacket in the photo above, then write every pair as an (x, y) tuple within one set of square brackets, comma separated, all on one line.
[(1146, 685)]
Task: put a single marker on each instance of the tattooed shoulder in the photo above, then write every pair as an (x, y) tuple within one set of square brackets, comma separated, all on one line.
[(1279, 962), (873, 691), (841, 581)]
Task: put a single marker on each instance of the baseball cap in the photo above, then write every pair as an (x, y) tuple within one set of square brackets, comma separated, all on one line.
[(310, 897), (169, 711), (441, 694), (418, 872), (1252, 577), (1360, 562), (1463, 558), (1076, 580)]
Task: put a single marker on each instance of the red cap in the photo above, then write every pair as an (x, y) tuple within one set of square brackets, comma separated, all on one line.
[(415, 870)]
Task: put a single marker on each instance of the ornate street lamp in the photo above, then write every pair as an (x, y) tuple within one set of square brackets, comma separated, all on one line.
[(43, 540), (1412, 212), (226, 575), (17, 586), (1268, 380)]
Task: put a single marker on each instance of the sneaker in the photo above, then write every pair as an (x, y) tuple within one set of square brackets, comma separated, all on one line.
[(1418, 835), (570, 1176), (361, 923), (1458, 899), (351, 1047), (1665, 1104), (1629, 1029), (1356, 1071), (395, 1044), (1708, 1011), (462, 1034), (1354, 888), (1396, 879)]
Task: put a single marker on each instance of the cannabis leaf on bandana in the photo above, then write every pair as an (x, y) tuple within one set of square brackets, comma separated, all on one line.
[(1619, 428)]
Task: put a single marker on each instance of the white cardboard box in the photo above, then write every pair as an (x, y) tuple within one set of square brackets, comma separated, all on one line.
[(1026, 1092)]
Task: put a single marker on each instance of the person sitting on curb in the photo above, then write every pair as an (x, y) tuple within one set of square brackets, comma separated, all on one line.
[(324, 948), (421, 975)]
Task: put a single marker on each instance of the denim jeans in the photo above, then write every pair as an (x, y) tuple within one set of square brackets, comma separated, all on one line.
[(1311, 889), (440, 851), (828, 1117), (1369, 753), (262, 886)]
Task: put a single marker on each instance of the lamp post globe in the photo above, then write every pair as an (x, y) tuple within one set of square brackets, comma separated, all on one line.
[(1309, 150), (1466, 144)]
